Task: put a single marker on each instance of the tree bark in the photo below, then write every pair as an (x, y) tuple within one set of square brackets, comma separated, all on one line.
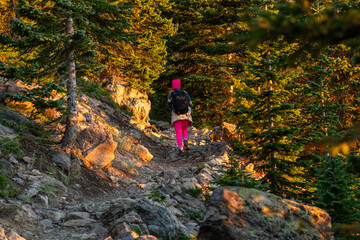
[(71, 120), (270, 116)]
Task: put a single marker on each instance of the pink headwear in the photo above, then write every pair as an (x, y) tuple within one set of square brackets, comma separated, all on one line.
[(176, 83)]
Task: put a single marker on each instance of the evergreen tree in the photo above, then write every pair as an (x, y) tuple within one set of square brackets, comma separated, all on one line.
[(58, 41), (269, 121), (335, 188), (141, 60), (233, 174), (319, 113)]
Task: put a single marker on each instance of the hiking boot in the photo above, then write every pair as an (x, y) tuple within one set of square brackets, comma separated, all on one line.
[(181, 153), (186, 145)]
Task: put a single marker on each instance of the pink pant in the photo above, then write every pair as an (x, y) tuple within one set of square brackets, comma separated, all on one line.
[(181, 131)]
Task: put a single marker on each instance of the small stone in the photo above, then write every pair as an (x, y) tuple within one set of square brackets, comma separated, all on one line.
[(46, 223), (79, 223), (27, 159), (78, 215), (62, 160), (45, 199)]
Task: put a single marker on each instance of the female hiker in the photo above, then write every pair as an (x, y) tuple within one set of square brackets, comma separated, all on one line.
[(179, 101)]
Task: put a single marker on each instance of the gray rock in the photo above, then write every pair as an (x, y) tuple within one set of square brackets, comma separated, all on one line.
[(79, 223), (44, 199), (53, 182), (130, 218), (18, 180), (7, 168), (62, 160), (160, 221), (6, 132), (32, 192), (46, 223), (27, 159), (55, 215), (88, 117), (85, 236), (12, 159), (14, 116), (171, 174), (99, 230), (165, 191), (188, 185), (78, 215), (30, 212)]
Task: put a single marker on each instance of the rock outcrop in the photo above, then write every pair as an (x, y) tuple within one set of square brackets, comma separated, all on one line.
[(227, 131), (236, 213), (124, 95)]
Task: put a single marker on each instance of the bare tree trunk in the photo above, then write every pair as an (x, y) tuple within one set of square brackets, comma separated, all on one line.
[(270, 117), (71, 120)]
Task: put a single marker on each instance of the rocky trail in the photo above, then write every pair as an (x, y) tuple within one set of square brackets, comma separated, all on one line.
[(124, 200)]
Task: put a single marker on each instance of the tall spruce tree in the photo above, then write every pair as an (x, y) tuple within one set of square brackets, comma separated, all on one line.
[(58, 41), (319, 114), (268, 120)]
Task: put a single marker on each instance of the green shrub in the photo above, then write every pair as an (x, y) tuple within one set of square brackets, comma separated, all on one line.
[(184, 237), (138, 231), (3, 182), (232, 174), (9, 146), (6, 190), (197, 216), (195, 192), (156, 196)]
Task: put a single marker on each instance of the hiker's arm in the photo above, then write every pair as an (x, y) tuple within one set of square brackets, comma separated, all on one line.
[(169, 101)]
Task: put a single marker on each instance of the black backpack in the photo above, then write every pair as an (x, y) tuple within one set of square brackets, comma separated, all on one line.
[(180, 104)]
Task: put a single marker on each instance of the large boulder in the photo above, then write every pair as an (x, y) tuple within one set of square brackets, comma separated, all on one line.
[(143, 153), (124, 95), (159, 221), (97, 146), (101, 155), (236, 213), (15, 117)]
